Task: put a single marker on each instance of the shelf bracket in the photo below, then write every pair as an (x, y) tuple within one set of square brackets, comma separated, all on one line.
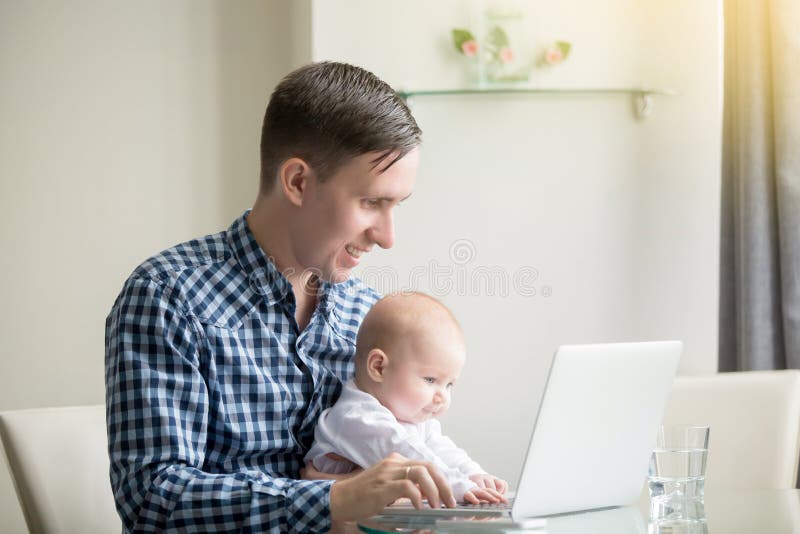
[(643, 104)]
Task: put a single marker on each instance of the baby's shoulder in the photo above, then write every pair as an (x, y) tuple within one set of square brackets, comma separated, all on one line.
[(369, 413)]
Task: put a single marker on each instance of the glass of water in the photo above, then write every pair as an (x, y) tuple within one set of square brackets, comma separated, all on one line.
[(677, 472)]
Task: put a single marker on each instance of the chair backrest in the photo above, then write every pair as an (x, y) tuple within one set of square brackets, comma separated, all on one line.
[(59, 462), (755, 425)]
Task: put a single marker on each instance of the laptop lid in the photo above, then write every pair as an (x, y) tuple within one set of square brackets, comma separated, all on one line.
[(596, 427)]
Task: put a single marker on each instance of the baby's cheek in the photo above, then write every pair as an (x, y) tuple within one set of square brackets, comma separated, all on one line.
[(405, 405)]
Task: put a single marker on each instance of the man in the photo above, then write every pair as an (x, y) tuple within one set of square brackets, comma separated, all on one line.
[(221, 352)]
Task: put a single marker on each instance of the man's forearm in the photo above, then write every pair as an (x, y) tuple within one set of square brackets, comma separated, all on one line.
[(179, 498)]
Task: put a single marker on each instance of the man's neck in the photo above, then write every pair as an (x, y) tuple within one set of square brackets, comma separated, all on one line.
[(267, 224)]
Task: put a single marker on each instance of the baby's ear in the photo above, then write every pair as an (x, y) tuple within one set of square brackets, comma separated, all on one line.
[(377, 360)]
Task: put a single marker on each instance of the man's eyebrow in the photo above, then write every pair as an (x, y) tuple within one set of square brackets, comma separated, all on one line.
[(392, 199)]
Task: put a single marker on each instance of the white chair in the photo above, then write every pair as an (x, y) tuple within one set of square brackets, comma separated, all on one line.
[(59, 462), (755, 425)]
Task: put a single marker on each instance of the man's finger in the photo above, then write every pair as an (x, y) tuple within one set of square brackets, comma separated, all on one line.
[(445, 492), (420, 476), (408, 489), (396, 457)]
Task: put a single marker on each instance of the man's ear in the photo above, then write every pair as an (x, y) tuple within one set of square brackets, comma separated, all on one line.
[(293, 177), (377, 361)]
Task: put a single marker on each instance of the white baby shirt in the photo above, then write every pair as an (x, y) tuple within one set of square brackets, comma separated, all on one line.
[(360, 428)]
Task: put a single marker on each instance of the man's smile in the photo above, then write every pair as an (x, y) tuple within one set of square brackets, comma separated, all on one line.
[(355, 251)]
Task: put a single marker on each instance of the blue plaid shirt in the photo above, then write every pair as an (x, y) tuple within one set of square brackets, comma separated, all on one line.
[(212, 391)]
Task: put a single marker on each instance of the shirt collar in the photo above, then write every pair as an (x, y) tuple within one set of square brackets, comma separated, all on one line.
[(267, 280), (263, 275)]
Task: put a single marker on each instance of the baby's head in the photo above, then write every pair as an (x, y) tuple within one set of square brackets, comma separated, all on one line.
[(409, 352)]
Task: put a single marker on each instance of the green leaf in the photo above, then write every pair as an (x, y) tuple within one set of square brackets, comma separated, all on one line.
[(461, 36), (498, 38), (565, 47)]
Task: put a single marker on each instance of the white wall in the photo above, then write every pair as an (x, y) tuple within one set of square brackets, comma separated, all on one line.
[(618, 216), (678, 190), (126, 127)]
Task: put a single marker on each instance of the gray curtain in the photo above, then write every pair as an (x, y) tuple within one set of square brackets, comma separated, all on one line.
[(759, 315)]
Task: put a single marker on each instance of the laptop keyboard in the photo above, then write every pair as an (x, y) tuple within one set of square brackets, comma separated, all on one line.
[(486, 506)]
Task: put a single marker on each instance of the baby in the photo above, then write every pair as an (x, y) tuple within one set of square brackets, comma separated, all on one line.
[(409, 353)]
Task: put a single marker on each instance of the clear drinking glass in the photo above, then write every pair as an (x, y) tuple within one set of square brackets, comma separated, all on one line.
[(677, 472)]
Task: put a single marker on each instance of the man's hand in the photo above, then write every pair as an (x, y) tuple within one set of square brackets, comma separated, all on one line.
[(367, 493), (484, 480)]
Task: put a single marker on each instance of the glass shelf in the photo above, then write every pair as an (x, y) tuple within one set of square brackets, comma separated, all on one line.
[(642, 96)]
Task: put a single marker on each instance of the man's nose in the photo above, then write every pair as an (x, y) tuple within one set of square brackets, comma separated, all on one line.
[(383, 231)]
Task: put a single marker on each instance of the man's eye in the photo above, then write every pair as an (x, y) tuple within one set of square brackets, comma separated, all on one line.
[(429, 379), (372, 202)]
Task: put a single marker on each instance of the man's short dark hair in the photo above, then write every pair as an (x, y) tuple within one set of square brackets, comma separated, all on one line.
[(326, 113)]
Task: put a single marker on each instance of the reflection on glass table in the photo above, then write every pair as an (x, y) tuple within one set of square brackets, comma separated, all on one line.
[(735, 511), (610, 521)]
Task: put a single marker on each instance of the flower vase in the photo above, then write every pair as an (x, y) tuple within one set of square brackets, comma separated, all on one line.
[(506, 56)]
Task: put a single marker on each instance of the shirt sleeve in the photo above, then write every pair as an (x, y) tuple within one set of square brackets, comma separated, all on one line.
[(366, 438), (157, 416), (452, 455)]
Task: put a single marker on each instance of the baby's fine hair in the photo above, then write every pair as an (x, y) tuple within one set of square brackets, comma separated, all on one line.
[(398, 316)]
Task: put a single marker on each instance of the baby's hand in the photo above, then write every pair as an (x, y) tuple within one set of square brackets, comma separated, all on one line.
[(479, 495), (487, 481)]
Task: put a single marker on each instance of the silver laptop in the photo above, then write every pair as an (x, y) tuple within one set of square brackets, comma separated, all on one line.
[(593, 434)]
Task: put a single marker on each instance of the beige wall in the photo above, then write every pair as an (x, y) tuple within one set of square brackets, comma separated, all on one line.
[(126, 127)]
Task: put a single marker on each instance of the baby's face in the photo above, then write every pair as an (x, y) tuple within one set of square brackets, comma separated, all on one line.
[(419, 379)]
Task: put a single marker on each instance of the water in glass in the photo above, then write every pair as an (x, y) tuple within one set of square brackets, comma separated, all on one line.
[(677, 473)]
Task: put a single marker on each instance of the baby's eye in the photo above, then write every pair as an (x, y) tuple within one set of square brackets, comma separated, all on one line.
[(450, 385), (429, 380)]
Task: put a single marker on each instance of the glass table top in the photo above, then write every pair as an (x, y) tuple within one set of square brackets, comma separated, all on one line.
[(728, 512)]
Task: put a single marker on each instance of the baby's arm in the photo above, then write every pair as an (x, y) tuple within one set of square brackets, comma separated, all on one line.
[(449, 452), (367, 438), (457, 458)]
